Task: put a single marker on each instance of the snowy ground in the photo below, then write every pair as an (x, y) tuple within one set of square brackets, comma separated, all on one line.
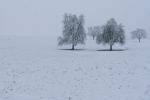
[(33, 68)]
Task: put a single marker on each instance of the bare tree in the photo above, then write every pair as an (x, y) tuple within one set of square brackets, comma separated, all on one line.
[(138, 34), (73, 31), (94, 31), (111, 33)]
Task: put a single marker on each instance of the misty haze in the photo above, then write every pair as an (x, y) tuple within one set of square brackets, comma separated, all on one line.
[(74, 50)]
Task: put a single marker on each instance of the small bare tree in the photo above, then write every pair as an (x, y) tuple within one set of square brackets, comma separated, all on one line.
[(138, 34), (94, 31)]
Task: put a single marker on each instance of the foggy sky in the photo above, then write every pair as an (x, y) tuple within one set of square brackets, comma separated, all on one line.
[(42, 17)]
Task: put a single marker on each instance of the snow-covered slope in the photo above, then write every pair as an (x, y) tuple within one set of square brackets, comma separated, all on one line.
[(34, 68)]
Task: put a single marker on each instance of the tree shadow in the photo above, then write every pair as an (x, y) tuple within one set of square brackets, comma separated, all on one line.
[(72, 50), (112, 50)]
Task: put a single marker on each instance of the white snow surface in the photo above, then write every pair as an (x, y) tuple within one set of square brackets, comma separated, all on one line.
[(35, 68)]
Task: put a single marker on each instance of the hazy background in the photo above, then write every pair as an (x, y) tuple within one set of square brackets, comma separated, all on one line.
[(44, 17)]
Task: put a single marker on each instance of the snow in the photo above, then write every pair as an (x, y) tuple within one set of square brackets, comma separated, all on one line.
[(34, 68)]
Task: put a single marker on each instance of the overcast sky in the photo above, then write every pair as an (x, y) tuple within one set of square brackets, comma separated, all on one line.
[(44, 17)]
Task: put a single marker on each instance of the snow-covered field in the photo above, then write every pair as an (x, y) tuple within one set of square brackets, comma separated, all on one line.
[(34, 68)]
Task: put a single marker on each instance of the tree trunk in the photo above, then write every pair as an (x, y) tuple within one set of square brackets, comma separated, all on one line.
[(111, 47), (93, 37), (139, 40), (72, 47)]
